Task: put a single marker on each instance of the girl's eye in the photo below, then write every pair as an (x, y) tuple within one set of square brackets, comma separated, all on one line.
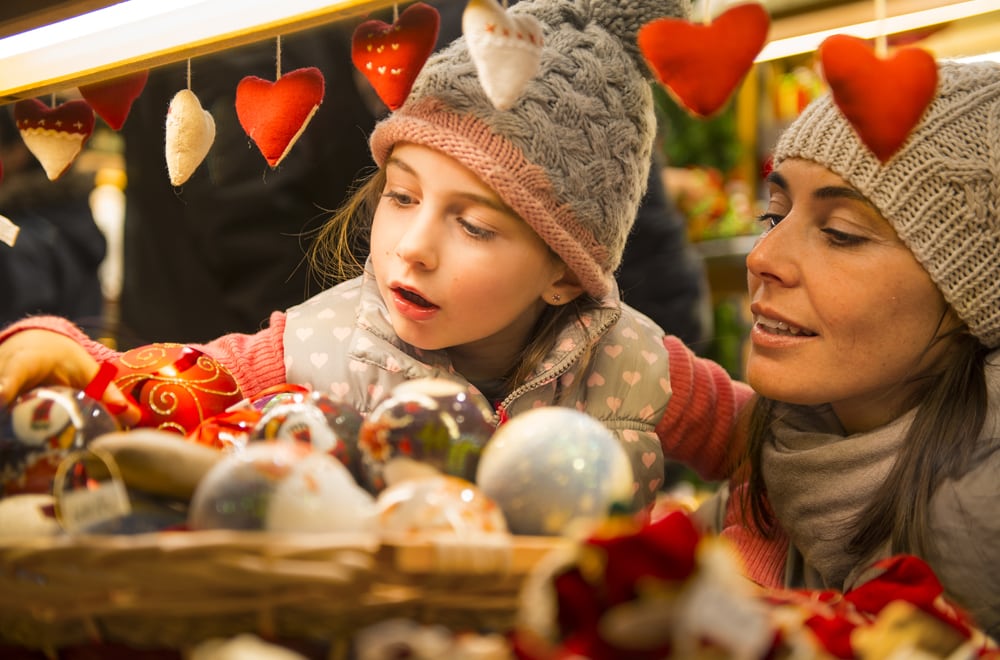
[(400, 199), (475, 231)]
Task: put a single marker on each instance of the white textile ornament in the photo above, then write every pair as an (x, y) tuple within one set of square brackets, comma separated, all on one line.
[(190, 134)]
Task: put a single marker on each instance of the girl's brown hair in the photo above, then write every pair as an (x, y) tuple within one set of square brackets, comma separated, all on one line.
[(334, 256)]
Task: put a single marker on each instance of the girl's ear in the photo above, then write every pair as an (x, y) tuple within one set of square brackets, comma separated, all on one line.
[(563, 290)]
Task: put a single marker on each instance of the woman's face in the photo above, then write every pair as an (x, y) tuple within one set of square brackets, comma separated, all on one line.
[(456, 267), (843, 313)]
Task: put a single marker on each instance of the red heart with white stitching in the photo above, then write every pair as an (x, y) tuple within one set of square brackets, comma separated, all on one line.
[(702, 64), (54, 135), (274, 114), (882, 98), (391, 55), (112, 99)]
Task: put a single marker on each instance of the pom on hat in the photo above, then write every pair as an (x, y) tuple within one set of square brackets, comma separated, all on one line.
[(391, 56), (882, 98), (702, 64), (940, 190), (190, 134), (571, 153), (54, 135), (112, 99), (507, 50), (274, 115)]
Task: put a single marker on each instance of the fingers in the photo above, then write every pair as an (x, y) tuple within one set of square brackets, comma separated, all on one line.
[(125, 410)]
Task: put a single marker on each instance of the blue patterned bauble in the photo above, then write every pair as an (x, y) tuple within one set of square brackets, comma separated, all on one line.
[(317, 419), (550, 468), (432, 421)]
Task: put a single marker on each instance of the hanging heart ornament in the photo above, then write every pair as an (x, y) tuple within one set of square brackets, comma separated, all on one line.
[(506, 49), (112, 99), (701, 65), (883, 99), (274, 114), (54, 135), (190, 134), (391, 55)]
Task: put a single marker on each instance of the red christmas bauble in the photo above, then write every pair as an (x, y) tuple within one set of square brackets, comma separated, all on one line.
[(176, 386)]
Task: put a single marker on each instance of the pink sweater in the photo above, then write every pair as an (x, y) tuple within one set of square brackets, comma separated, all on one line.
[(697, 428)]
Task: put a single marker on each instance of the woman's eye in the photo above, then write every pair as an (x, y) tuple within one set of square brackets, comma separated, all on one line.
[(769, 220), (475, 231), (837, 237)]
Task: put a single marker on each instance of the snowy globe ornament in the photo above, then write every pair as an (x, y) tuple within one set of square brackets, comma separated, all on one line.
[(316, 419), (550, 468), (281, 487), (40, 428), (438, 505), (428, 420)]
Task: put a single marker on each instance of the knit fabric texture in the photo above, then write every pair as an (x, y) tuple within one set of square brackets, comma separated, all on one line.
[(940, 191), (572, 155)]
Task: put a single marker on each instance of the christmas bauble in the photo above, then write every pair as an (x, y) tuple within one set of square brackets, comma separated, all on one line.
[(281, 486), (552, 467), (430, 420), (440, 505), (316, 419), (176, 386), (40, 428)]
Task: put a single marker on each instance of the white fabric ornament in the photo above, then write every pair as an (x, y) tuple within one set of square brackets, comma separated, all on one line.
[(190, 134), (506, 49)]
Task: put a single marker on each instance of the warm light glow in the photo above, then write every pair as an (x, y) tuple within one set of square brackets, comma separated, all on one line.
[(807, 43), (144, 33)]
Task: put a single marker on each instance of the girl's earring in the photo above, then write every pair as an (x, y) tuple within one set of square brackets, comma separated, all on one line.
[(556, 298)]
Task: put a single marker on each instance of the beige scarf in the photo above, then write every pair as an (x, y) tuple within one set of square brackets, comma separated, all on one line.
[(818, 481)]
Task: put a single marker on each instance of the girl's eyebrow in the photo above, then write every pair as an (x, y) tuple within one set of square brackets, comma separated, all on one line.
[(483, 200), (826, 192)]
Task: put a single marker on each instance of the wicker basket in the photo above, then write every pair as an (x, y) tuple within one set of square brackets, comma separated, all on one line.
[(175, 589)]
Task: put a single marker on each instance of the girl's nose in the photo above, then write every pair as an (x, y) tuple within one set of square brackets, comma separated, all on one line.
[(418, 244)]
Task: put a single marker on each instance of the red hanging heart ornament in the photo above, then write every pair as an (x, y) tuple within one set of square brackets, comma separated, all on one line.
[(112, 99), (883, 99), (701, 65), (274, 114), (54, 135), (391, 56)]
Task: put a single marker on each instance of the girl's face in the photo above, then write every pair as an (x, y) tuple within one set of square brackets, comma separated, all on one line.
[(843, 313), (456, 267)]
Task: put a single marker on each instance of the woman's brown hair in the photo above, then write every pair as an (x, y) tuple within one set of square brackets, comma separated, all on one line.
[(940, 444)]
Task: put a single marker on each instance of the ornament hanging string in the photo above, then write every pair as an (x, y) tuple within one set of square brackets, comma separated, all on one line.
[(881, 40), (277, 73), (189, 74)]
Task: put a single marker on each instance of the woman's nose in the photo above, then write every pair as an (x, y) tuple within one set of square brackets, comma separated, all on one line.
[(772, 257)]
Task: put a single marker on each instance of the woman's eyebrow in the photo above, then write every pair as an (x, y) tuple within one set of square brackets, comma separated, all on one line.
[(825, 192)]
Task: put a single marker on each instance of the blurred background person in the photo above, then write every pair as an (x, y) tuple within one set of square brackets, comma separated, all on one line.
[(52, 268)]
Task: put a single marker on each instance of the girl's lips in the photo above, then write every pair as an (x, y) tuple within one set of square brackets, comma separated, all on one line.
[(412, 306)]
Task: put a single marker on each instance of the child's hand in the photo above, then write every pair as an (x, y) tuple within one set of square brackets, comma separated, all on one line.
[(32, 358)]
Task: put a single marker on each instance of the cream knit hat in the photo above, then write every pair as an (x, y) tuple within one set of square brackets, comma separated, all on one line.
[(940, 191), (572, 154)]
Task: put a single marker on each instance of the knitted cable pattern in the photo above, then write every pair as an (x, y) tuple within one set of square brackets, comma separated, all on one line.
[(940, 192)]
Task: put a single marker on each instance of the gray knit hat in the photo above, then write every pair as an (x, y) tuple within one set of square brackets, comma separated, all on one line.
[(572, 154), (940, 191)]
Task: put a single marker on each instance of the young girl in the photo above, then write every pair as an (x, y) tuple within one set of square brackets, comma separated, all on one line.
[(493, 241), (876, 322)]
